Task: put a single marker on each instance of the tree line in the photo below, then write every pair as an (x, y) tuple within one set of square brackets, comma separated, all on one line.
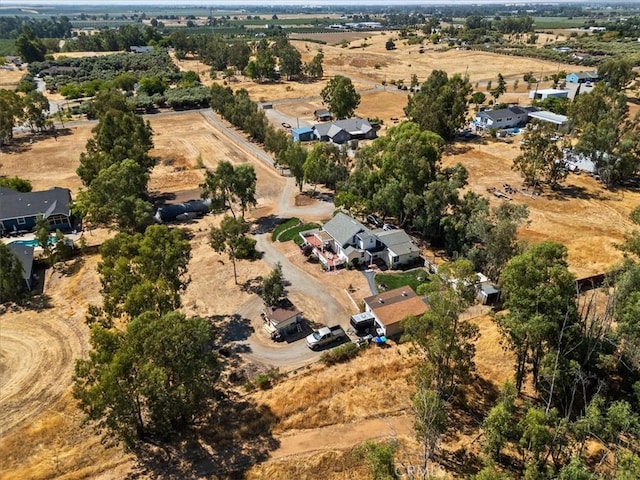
[(152, 370), (30, 109)]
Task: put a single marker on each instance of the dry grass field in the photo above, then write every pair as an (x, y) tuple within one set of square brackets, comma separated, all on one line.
[(582, 214), (367, 398)]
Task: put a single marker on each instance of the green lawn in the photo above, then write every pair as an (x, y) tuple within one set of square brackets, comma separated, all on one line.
[(292, 222), (292, 233), (397, 280), (290, 229)]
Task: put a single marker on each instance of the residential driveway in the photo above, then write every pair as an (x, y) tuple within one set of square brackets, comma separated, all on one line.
[(261, 350), (257, 347), (278, 118)]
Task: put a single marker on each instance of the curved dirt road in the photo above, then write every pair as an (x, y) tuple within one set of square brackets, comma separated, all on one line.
[(37, 353)]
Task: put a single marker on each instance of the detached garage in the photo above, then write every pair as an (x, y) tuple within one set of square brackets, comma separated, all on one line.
[(281, 319)]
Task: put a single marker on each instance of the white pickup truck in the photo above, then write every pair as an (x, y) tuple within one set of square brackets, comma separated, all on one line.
[(325, 336)]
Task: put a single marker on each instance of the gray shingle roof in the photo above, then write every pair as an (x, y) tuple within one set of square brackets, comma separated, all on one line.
[(397, 241), (343, 228), (46, 202), (504, 113), (25, 255), (354, 126)]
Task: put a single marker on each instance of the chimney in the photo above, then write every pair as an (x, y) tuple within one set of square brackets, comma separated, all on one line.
[(380, 300), (404, 293)]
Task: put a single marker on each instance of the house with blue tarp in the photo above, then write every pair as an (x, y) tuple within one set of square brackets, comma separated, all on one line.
[(302, 134)]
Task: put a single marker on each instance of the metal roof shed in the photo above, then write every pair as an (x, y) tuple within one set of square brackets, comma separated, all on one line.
[(549, 117), (302, 134)]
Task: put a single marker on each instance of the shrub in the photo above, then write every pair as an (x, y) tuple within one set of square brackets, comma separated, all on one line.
[(263, 382), (340, 354)]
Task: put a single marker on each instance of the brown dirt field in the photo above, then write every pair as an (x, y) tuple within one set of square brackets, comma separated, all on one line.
[(48, 161), (584, 216), (9, 79)]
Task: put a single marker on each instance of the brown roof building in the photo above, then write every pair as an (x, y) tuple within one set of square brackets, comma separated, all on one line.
[(393, 307)]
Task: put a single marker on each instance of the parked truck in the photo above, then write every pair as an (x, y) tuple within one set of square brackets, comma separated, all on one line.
[(325, 336)]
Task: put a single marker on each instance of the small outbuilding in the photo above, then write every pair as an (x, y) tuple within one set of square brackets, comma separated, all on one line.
[(488, 293), (140, 49), (322, 115), (302, 134), (545, 93), (282, 319), (583, 77)]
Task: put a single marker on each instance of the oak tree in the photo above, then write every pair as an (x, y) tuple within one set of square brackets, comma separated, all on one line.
[(150, 380), (340, 97), (231, 238)]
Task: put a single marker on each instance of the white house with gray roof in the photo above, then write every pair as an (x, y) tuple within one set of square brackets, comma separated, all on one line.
[(343, 239), (509, 117)]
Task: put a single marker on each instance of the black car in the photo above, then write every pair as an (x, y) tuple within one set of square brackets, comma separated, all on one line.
[(373, 220)]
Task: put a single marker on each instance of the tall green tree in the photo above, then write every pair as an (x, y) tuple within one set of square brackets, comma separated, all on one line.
[(314, 68), (30, 47), (36, 110), (326, 164), (149, 381), (340, 97), (117, 198), (118, 136), (231, 238), (540, 156), (273, 286), (445, 341), (16, 183), (143, 272), (497, 236), (11, 281), (294, 157), (500, 88), (228, 185), (539, 295), (290, 62), (441, 104), (606, 134), (618, 72), (11, 112), (499, 426)]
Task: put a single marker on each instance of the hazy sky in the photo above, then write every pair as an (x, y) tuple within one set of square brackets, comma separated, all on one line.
[(268, 3)]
